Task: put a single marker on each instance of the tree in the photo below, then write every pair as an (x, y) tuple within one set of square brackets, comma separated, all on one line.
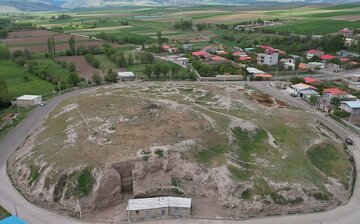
[(63, 64), (313, 99), (96, 78), (130, 59), (165, 69), (50, 48), (53, 46), (4, 52), (111, 77), (72, 67), (72, 46), (174, 70), (74, 79), (157, 70), (159, 38), (335, 101), (148, 71), (149, 58), (4, 94)]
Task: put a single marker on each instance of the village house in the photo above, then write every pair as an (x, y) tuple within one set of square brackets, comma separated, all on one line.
[(187, 47), (268, 58), (303, 67), (254, 71), (313, 52), (334, 92), (351, 107), (346, 32), (169, 49), (280, 84), (315, 65), (312, 81), (126, 76), (158, 208), (344, 53), (28, 100), (300, 89), (289, 63)]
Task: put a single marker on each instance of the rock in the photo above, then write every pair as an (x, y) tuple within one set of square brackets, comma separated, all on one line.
[(108, 190), (188, 176)]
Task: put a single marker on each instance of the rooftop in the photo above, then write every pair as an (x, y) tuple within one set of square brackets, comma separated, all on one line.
[(327, 57), (28, 97), (302, 86), (310, 80), (254, 70), (334, 91), (160, 202), (352, 104), (199, 53), (312, 51), (126, 74)]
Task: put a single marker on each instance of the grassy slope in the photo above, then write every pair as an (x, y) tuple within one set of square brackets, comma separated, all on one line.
[(3, 213), (13, 74)]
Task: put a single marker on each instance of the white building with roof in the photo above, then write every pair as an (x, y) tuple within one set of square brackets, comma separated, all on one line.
[(300, 88), (126, 76), (28, 100), (157, 208), (352, 107)]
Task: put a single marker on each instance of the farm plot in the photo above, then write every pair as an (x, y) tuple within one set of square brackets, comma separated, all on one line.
[(31, 33), (84, 69)]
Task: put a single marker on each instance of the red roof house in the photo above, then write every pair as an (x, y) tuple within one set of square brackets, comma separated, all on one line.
[(199, 53), (327, 57), (344, 59), (334, 92), (310, 80), (217, 58)]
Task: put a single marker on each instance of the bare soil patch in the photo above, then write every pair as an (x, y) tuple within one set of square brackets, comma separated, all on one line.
[(31, 33), (39, 39)]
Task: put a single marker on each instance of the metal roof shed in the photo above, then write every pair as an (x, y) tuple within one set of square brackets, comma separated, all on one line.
[(160, 202)]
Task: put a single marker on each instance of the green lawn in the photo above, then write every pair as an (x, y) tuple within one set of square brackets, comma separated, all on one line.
[(17, 86), (105, 63)]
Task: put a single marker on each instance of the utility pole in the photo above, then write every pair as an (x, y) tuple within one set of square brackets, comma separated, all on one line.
[(59, 87), (79, 209), (16, 212)]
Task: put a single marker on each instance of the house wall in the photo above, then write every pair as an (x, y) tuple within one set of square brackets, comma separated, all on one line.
[(268, 59), (158, 213), (29, 103)]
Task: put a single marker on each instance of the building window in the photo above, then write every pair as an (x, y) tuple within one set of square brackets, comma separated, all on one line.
[(162, 212), (137, 212)]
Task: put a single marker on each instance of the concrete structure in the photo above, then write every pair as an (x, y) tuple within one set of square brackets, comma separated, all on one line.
[(344, 53), (28, 100), (280, 84), (157, 208), (268, 58), (316, 65), (352, 107), (187, 47), (307, 94), (126, 76), (346, 32), (299, 89), (289, 63), (254, 71), (355, 78)]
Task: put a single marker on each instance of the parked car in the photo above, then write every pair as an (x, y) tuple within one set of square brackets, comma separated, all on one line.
[(293, 95), (348, 141)]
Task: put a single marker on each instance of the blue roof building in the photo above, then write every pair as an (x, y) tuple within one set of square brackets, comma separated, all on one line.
[(12, 220)]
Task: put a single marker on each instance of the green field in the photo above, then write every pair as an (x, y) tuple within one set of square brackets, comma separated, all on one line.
[(17, 86), (316, 26), (105, 63)]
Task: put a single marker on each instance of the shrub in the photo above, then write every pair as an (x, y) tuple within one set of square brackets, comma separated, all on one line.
[(85, 183)]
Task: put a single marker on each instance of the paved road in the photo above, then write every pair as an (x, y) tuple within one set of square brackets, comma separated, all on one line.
[(349, 214)]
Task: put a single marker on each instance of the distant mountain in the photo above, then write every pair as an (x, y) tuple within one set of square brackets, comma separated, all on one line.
[(38, 5)]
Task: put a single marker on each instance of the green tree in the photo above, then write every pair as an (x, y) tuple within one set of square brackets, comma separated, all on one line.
[(148, 71), (111, 77), (335, 101), (4, 52), (74, 79), (96, 78), (149, 58), (72, 67), (174, 70), (165, 68), (130, 59), (4, 93), (157, 70), (159, 38), (72, 45)]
